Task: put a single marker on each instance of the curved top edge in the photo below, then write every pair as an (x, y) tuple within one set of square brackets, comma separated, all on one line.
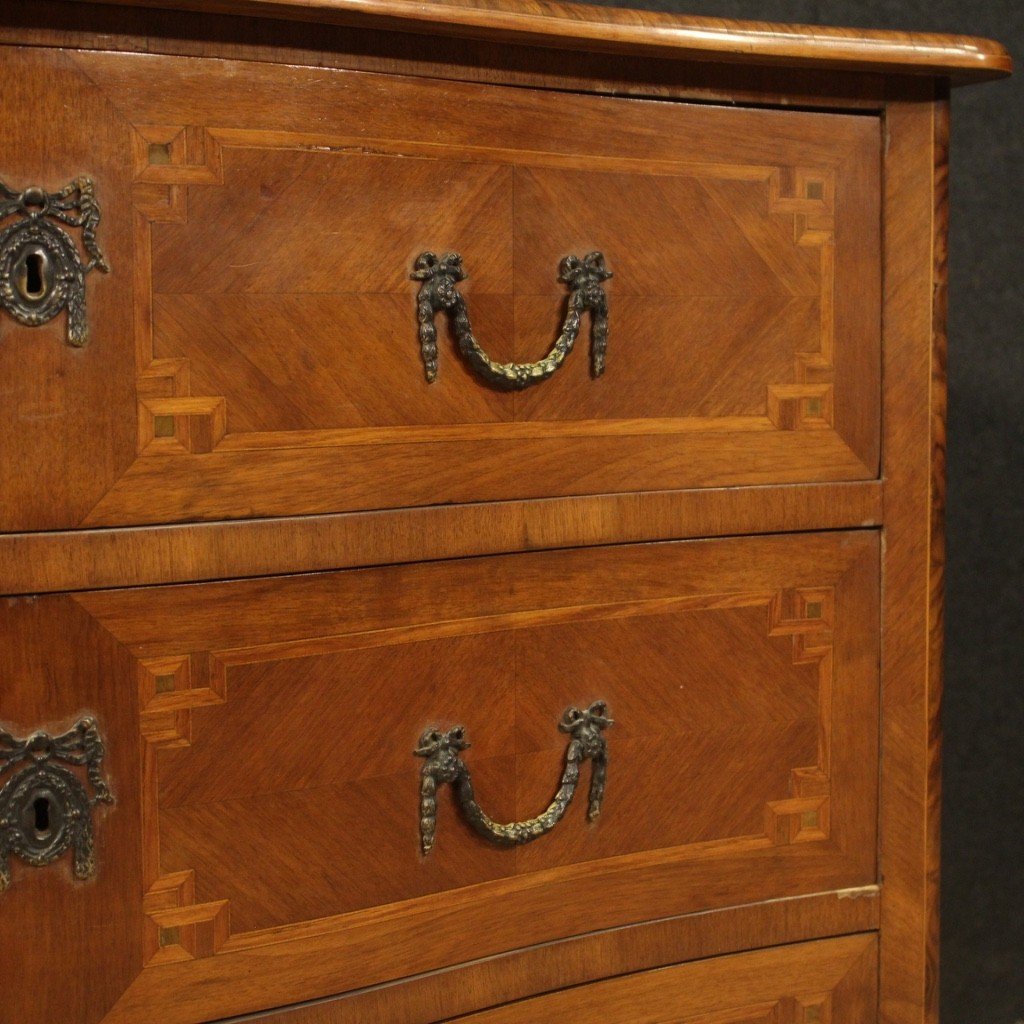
[(617, 30)]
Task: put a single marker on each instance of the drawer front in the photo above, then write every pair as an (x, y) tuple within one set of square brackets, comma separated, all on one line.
[(259, 747), (254, 348), (828, 982)]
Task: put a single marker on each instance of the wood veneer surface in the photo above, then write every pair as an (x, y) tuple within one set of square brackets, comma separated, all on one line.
[(826, 69), (274, 810), (271, 380), (541, 22), (799, 983)]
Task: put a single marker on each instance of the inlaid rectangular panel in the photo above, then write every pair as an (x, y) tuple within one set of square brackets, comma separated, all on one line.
[(276, 801), (255, 347)]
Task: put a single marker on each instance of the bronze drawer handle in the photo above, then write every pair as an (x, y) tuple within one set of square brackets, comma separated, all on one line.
[(441, 749), (41, 270), (440, 277), (45, 808)]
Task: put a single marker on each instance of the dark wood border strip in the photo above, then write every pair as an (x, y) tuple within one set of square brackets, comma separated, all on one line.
[(32, 563)]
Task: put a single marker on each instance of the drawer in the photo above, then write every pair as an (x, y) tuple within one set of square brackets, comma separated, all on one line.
[(833, 981), (265, 844), (254, 349)]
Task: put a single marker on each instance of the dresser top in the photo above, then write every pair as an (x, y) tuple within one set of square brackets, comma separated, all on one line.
[(615, 30)]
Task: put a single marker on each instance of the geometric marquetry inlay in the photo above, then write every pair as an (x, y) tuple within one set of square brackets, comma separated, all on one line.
[(178, 928), (170, 687), (806, 615), (169, 159), (265, 309), (173, 688)]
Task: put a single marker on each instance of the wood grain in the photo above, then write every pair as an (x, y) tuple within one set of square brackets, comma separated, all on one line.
[(56, 663), (71, 25), (544, 23), (66, 437), (222, 285), (244, 169), (268, 705), (574, 962), (915, 202), (805, 981), (33, 563), (269, 381), (729, 764)]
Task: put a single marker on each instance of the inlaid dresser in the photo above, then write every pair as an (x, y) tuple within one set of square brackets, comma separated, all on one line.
[(471, 534)]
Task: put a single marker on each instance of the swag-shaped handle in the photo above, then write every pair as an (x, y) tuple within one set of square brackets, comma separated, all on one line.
[(440, 277), (443, 765)]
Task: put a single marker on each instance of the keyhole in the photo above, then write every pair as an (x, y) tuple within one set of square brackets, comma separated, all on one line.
[(41, 815), (34, 286), (33, 274)]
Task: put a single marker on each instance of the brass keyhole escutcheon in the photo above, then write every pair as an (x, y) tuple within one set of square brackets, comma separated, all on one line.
[(33, 274), (42, 266), (51, 787)]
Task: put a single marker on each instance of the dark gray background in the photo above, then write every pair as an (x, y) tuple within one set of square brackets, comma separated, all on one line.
[(983, 818)]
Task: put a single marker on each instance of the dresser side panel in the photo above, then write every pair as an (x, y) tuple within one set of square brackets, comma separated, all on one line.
[(913, 467)]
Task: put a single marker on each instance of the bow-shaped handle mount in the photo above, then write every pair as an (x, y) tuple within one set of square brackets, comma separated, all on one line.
[(439, 291), (441, 749)]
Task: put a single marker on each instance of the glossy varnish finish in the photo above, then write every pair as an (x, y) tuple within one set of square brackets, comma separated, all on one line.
[(769, 835), (277, 719), (575, 27), (273, 379), (915, 407), (46, 562), (796, 983), (56, 664), (574, 962), (71, 25)]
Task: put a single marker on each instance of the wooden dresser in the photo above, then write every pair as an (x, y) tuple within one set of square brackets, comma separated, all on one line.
[(412, 414)]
